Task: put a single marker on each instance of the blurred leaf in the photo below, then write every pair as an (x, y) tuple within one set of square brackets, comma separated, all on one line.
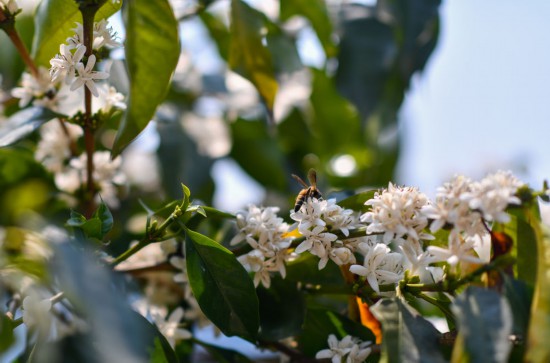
[(222, 287), (316, 12), (538, 349), (320, 323), (224, 355), (283, 50), (152, 51), (258, 154), (484, 324), (54, 20), (23, 123), (11, 63), (357, 201), (336, 122), (119, 333), (247, 54), (218, 31), (213, 212), (520, 296), (525, 244), (6, 333), (407, 336), (282, 310)]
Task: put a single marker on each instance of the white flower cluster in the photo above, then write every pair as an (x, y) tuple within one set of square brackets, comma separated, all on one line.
[(316, 221), (68, 65), (401, 214), (465, 205), (39, 89), (349, 349), (265, 232)]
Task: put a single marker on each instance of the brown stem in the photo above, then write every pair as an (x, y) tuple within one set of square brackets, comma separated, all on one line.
[(89, 129), (22, 49)]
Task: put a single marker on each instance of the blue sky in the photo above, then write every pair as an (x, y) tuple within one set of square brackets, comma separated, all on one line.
[(483, 101)]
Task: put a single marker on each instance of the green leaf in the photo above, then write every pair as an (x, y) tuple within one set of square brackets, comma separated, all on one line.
[(406, 336), (525, 244), (96, 227), (6, 333), (258, 154), (54, 20), (305, 269), (222, 287), (538, 349), (152, 51), (339, 136), (320, 323), (104, 215), (247, 54), (282, 310), (23, 123), (223, 355), (484, 323), (218, 32), (520, 296), (316, 12)]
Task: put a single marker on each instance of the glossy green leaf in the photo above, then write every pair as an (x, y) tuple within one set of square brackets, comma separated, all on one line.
[(520, 296), (258, 154), (538, 349), (484, 323), (282, 309), (320, 323), (406, 336), (152, 51), (316, 12), (247, 54), (223, 355), (222, 287), (54, 20), (305, 269), (23, 123)]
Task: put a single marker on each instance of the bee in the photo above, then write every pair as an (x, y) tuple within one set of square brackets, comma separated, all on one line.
[(309, 191)]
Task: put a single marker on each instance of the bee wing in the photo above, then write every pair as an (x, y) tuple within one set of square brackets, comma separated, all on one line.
[(300, 181), (312, 176)]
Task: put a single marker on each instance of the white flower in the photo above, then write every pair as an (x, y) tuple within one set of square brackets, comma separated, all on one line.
[(113, 99), (53, 149), (170, 327), (37, 88), (9, 6), (396, 213), (337, 217), (87, 76), (351, 348), (451, 207), (310, 214), (260, 224), (107, 176), (318, 242), (102, 33), (459, 250), (36, 313), (493, 194), (380, 266), (63, 65)]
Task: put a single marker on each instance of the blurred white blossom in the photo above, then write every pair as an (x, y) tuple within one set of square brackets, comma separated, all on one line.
[(9, 6), (53, 149), (169, 325), (40, 88)]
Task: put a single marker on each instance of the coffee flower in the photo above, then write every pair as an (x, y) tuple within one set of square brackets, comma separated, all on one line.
[(396, 213), (380, 266)]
